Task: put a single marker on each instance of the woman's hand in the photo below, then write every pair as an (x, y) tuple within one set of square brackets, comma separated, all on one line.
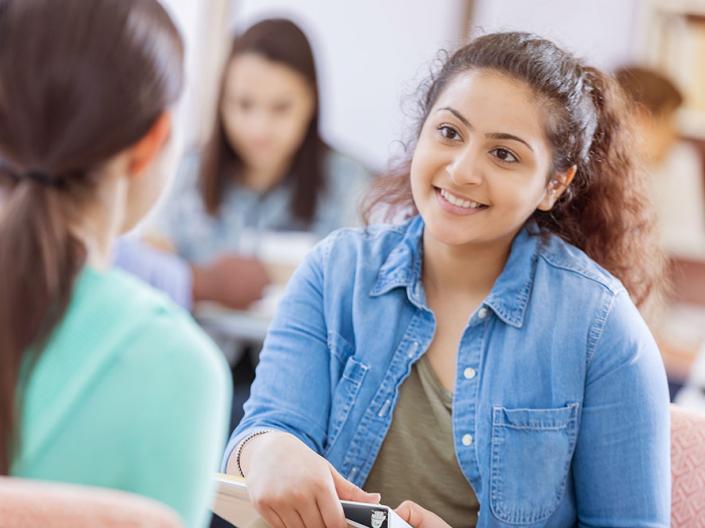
[(293, 487), (419, 517), (232, 280)]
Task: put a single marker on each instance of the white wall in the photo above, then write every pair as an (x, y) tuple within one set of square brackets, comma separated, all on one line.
[(204, 26), (370, 55), (604, 32)]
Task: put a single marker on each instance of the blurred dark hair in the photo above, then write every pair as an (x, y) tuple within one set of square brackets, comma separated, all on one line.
[(79, 83), (649, 89), (606, 211), (283, 42)]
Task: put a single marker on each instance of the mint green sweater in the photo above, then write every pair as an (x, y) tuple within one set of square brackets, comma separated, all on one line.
[(128, 394)]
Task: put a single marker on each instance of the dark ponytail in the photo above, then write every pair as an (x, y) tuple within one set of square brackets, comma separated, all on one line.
[(606, 211), (78, 85), (39, 260)]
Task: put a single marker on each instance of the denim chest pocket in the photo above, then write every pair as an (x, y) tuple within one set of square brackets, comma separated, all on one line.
[(531, 454), (345, 394)]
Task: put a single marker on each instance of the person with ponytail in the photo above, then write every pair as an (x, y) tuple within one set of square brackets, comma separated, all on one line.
[(484, 362), (104, 382)]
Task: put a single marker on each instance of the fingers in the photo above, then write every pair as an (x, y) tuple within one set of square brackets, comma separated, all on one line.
[(308, 515), (331, 512), (311, 515), (292, 519), (346, 490), (272, 518), (412, 513)]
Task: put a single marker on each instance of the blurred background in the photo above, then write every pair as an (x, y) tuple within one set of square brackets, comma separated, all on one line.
[(371, 57)]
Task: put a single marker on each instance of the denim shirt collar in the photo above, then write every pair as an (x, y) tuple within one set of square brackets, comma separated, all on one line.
[(509, 295)]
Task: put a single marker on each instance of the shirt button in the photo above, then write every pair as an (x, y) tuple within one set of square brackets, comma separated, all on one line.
[(467, 440), (469, 373), (482, 313)]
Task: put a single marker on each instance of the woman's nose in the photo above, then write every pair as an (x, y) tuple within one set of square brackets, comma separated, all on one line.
[(465, 167)]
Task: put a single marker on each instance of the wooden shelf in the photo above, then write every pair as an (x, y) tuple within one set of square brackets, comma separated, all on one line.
[(692, 8), (691, 124)]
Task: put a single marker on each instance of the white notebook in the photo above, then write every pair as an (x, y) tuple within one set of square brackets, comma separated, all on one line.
[(232, 503)]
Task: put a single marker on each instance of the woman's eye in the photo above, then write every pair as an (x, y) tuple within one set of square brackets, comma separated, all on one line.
[(244, 104), (504, 155), (448, 132), (281, 108)]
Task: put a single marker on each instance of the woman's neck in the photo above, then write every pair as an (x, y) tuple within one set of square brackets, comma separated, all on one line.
[(263, 178), (100, 223), (468, 271), (98, 249)]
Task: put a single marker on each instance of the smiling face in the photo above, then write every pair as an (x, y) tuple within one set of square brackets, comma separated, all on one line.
[(482, 162)]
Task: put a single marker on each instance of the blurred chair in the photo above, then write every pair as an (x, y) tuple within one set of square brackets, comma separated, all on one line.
[(687, 468), (28, 503)]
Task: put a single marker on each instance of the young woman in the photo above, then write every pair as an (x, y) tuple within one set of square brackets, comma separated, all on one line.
[(265, 169), (485, 359), (103, 382)]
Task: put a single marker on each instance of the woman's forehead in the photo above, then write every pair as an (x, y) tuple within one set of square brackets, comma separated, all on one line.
[(250, 72), (494, 102)]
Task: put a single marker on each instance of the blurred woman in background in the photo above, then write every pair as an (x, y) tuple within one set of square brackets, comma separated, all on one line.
[(86, 93), (265, 169)]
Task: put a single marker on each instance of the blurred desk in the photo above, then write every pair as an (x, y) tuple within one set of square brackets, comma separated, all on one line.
[(680, 338), (688, 279), (234, 330), (681, 326), (241, 325)]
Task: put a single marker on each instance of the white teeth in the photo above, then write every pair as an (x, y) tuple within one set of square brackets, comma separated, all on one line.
[(459, 202)]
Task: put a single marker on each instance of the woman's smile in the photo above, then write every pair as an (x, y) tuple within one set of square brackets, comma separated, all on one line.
[(457, 205)]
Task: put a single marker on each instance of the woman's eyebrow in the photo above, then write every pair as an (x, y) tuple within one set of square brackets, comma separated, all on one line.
[(493, 135), (456, 114), (504, 135)]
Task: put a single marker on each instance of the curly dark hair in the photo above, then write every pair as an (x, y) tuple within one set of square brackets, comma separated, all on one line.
[(606, 211)]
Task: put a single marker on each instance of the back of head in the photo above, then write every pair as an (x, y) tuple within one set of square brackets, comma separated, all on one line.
[(79, 83), (650, 89)]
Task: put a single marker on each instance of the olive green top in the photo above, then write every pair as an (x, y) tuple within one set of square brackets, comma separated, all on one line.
[(417, 459), (128, 394)]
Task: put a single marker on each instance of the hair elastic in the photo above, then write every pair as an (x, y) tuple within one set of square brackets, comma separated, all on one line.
[(40, 177)]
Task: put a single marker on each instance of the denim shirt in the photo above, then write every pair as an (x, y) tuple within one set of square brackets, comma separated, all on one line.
[(560, 410), (245, 214)]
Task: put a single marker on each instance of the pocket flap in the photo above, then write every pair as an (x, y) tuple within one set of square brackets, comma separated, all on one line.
[(541, 419)]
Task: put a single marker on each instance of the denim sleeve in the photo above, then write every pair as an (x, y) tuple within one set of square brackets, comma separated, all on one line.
[(622, 460), (291, 391)]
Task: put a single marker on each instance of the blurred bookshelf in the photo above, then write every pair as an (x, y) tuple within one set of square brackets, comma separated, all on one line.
[(674, 42)]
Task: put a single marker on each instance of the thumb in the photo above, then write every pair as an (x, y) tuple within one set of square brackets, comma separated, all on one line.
[(346, 490), (419, 517)]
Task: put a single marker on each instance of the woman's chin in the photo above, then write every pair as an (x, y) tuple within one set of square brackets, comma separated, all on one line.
[(450, 235)]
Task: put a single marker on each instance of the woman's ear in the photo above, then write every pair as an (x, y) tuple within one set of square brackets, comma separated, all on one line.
[(557, 185), (143, 153)]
